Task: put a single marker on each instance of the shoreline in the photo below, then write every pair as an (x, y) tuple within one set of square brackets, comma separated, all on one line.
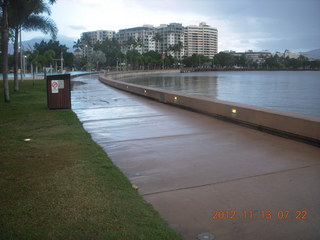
[(186, 70)]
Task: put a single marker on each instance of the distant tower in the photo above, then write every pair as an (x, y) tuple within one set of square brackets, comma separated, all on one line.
[(201, 39)]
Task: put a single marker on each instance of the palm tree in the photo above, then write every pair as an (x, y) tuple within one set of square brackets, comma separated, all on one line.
[(77, 44), (4, 5), (158, 39), (86, 40), (24, 15), (130, 43), (176, 48), (86, 44), (33, 58)]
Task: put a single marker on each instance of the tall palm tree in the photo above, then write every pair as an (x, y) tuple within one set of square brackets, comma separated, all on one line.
[(176, 48), (86, 44), (158, 39), (77, 44), (4, 5), (24, 15)]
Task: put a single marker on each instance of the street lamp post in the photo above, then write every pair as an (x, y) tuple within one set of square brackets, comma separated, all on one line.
[(24, 65), (86, 55)]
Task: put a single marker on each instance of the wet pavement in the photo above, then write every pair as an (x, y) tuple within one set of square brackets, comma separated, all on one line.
[(205, 175)]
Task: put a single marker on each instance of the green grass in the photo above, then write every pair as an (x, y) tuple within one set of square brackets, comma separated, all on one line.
[(61, 184)]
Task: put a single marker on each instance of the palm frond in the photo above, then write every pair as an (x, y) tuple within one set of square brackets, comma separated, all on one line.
[(41, 23), (38, 7)]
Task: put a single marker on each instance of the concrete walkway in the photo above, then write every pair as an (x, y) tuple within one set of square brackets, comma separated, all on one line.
[(189, 166)]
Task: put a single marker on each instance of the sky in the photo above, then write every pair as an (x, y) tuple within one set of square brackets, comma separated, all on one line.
[(274, 25)]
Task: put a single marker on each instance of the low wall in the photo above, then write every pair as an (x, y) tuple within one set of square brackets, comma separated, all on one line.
[(296, 126)]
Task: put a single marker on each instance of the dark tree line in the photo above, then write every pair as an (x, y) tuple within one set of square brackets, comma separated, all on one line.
[(196, 61), (43, 55), (274, 62)]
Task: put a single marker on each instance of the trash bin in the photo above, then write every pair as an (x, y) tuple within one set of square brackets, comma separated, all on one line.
[(59, 91)]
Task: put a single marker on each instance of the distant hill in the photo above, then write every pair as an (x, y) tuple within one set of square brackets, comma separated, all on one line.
[(28, 45), (312, 55)]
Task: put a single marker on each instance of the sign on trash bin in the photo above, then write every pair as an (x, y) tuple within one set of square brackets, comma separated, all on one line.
[(54, 86), (59, 91)]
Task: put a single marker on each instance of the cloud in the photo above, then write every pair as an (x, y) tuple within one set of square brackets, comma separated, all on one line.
[(77, 27), (242, 25)]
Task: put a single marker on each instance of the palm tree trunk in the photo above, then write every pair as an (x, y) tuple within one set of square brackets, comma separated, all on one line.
[(16, 59), (32, 71), (4, 49)]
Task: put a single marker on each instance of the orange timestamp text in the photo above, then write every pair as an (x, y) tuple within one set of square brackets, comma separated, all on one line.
[(256, 214)]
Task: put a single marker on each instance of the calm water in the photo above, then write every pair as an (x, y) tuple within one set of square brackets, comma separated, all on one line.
[(291, 91)]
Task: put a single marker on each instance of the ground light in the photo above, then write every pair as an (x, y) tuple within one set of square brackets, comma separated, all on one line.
[(205, 236)]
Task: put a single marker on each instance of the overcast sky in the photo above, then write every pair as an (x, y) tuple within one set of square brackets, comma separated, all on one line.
[(273, 25)]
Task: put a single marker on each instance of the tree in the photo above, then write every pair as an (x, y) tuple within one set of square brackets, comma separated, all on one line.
[(176, 48), (152, 59), (24, 15), (133, 43), (196, 60), (4, 4), (33, 58), (111, 49), (77, 44), (98, 57), (58, 49), (133, 58), (158, 39), (86, 41), (224, 59), (241, 61), (48, 58)]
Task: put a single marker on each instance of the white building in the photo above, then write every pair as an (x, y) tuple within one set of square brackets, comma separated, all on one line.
[(149, 38), (139, 38), (289, 54), (201, 39), (94, 37), (257, 56), (100, 35), (172, 39), (170, 35)]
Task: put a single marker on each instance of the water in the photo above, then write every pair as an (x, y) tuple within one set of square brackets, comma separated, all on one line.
[(291, 91), (29, 75)]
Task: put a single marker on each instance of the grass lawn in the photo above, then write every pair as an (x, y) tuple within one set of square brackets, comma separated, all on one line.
[(61, 184)]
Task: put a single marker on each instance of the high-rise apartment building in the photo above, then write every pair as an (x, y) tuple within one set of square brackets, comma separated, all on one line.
[(172, 39), (100, 35), (96, 36), (139, 38), (201, 39), (170, 35), (149, 38)]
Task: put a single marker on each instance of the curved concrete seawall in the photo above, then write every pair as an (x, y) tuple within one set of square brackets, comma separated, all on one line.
[(295, 126)]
